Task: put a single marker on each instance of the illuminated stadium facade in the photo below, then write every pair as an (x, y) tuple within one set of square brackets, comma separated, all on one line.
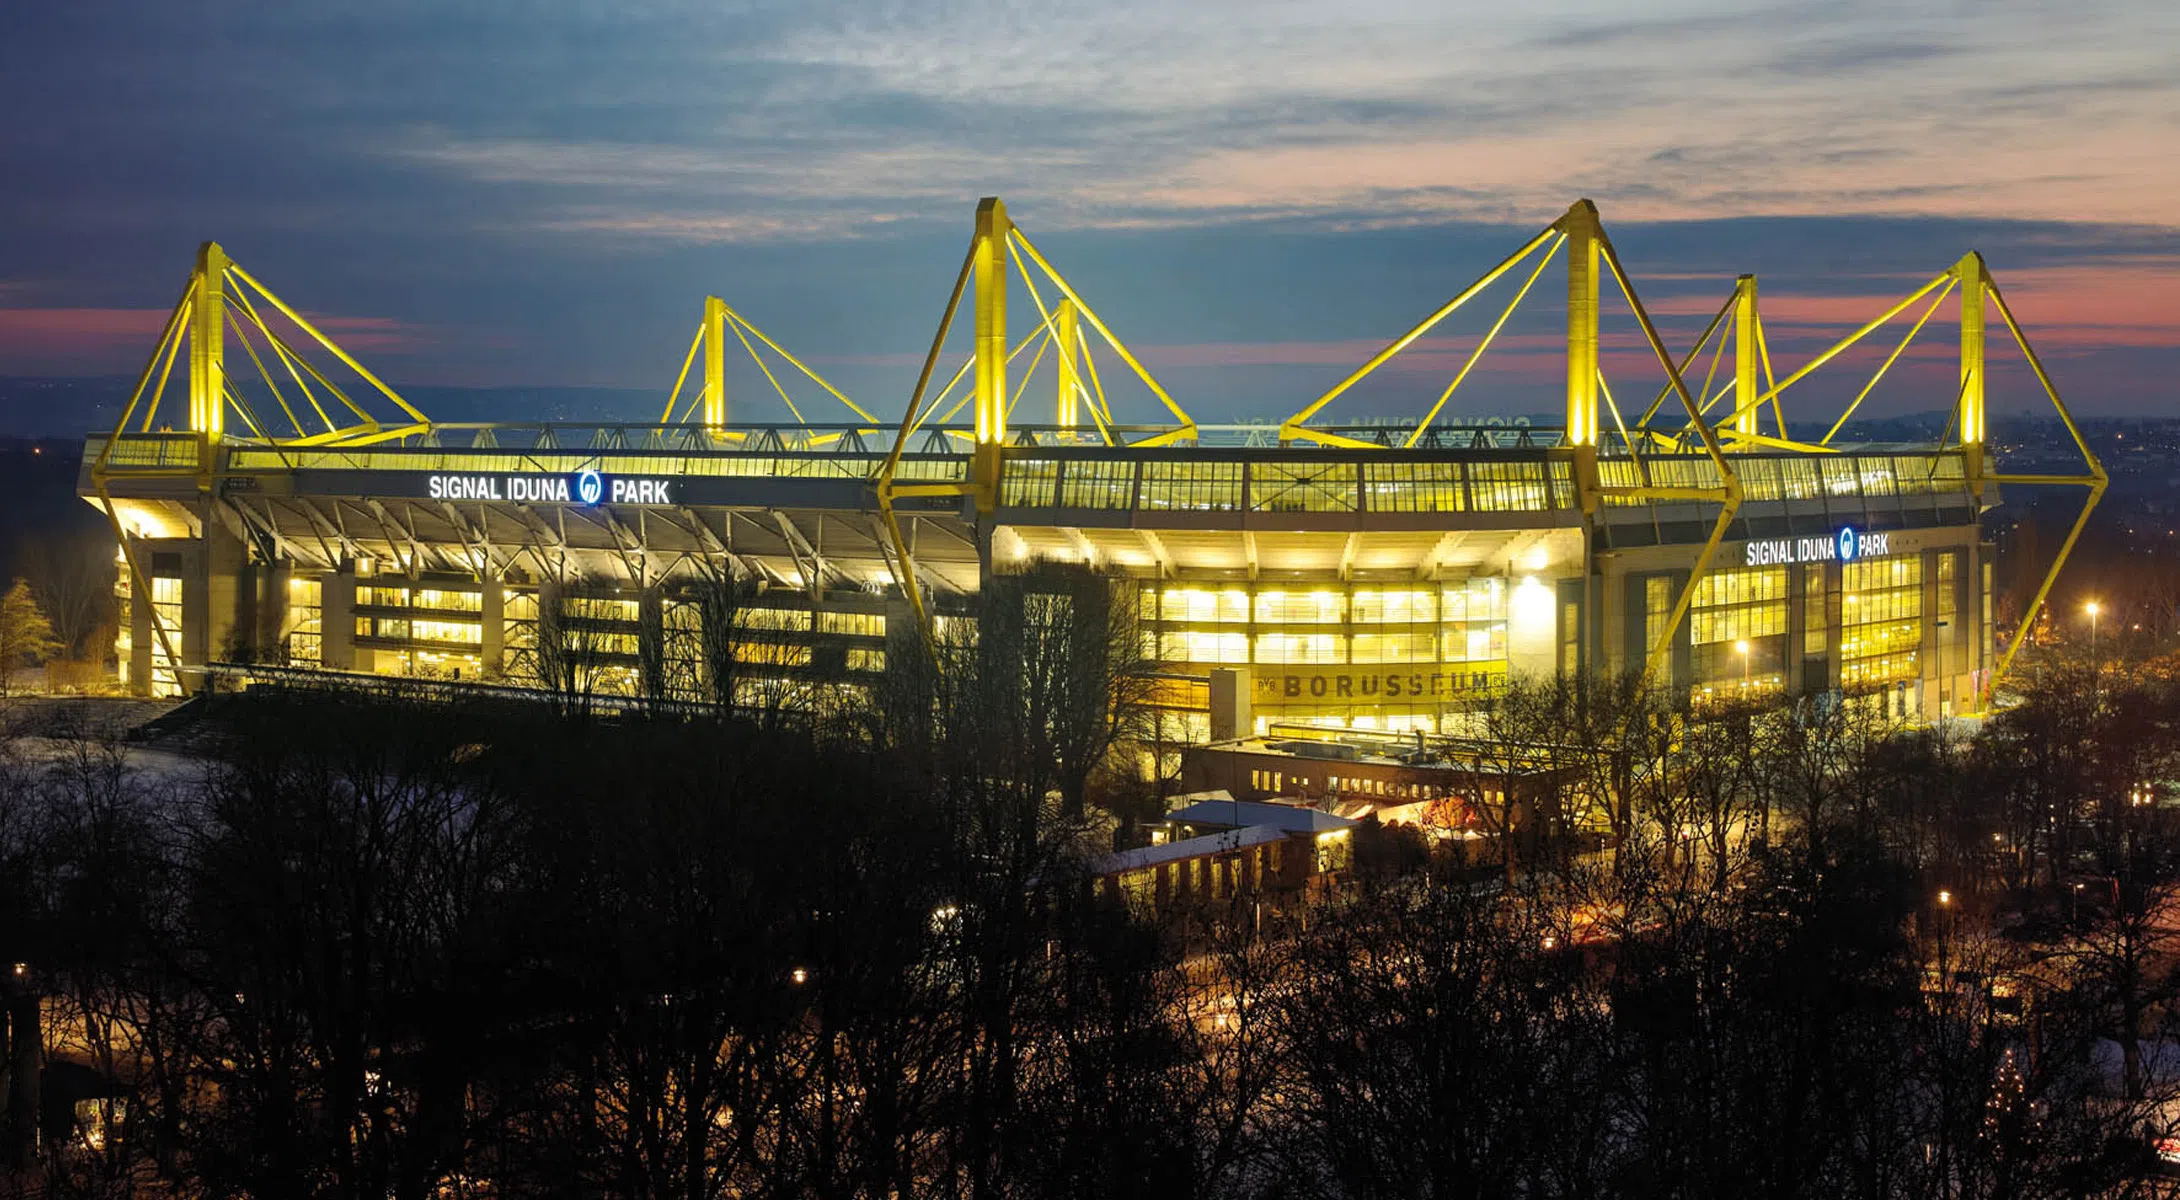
[(1381, 576)]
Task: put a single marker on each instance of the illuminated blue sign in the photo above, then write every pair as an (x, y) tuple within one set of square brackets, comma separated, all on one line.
[(1845, 546), (587, 487)]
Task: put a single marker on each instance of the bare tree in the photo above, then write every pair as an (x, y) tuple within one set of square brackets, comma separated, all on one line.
[(73, 581)]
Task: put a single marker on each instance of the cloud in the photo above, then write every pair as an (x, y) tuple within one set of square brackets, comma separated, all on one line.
[(40, 341), (1254, 187)]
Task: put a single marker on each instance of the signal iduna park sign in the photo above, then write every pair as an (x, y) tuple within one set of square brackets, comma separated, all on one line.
[(1847, 545), (583, 487)]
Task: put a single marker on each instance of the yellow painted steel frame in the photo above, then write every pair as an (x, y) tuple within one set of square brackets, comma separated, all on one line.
[(1727, 495), (996, 243), (2096, 480), (215, 303), (708, 406), (1588, 247), (1582, 233), (1293, 429), (1971, 276)]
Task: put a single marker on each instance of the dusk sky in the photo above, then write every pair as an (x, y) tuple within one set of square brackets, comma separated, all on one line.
[(1254, 194)]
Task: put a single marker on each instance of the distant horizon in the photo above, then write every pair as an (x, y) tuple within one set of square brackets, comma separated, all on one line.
[(638, 406)]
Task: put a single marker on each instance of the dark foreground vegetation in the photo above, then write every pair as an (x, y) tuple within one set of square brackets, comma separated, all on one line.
[(407, 946)]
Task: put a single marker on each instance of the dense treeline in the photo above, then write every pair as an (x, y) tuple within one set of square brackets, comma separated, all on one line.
[(406, 946)]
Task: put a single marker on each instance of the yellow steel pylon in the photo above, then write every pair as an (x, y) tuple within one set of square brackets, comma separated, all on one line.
[(995, 244)]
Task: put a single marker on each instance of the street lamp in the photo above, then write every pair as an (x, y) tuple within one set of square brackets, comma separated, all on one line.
[(2092, 608), (1743, 647)]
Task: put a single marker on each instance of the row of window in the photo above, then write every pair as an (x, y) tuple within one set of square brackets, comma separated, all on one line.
[(1882, 668), (1475, 644), (306, 632), (1879, 637), (1215, 486), (1301, 486), (443, 599), (1739, 618), (1481, 599), (1745, 623), (405, 629), (780, 466), (1795, 478), (1736, 606)]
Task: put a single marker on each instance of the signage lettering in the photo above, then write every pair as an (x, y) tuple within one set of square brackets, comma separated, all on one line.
[(639, 491), (1847, 545), (1389, 684), (584, 487)]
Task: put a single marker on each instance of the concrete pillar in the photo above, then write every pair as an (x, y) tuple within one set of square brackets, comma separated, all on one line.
[(274, 618), (192, 642), (1230, 715), (138, 616), (492, 616), (1791, 670), (551, 650), (337, 619), (651, 641), (1935, 641), (220, 621), (1532, 626)]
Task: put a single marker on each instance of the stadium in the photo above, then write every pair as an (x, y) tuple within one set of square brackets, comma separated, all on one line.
[(1373, 576)]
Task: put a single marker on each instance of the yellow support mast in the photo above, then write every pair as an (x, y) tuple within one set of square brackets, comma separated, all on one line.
[(207, 369), (989, 253), (1065, 336), (1746, 357), (1581, 227), (1974, 277), (715, 365)]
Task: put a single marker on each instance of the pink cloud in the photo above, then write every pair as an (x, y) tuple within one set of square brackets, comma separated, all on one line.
[(102, 340)]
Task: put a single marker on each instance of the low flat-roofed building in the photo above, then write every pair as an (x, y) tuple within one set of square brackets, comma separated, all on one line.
[(1261, 768), (1210, 813), (1277, 865)]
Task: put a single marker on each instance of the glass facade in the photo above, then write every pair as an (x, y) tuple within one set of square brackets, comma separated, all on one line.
[(1526, 483), (1394, 656), (166, 619), (1737, 631), (1658, 599), (601, 642), (1881, 626), (1321, 646), (305, 637), (518, 615)]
